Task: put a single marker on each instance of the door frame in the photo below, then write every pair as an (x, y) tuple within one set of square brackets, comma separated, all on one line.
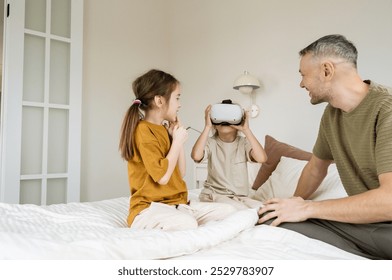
[(12, 102)]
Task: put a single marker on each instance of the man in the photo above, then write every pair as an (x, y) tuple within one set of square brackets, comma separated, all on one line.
[(355, 133)]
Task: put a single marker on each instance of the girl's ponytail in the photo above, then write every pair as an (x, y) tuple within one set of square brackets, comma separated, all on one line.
[(131, 119)]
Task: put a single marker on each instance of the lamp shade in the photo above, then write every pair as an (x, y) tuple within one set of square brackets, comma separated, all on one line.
[(246, 83)]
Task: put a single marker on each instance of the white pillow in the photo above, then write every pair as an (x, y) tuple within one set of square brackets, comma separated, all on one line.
[(283, 182)]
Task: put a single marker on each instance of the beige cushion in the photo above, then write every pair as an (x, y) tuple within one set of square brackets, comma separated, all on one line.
[(275, 150), (283, 182)]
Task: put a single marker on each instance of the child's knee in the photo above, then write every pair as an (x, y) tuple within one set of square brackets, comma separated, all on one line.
[(181, 222), (228, 208), (223, 210)]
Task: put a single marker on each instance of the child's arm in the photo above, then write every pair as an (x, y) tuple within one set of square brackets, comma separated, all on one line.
[(182, 163), (181, 157), (257, 153), (198, 149), (180, 134)]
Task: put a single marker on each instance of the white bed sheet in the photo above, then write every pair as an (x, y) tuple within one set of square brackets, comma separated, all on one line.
[(97, 230)]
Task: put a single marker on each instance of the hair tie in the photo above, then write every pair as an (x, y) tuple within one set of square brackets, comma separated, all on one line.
[(136, 101)]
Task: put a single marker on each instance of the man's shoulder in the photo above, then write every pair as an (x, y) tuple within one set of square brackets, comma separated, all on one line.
[(381, 97), (329, 111), (376, 87)]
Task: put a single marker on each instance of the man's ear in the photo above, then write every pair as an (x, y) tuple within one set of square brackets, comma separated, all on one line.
[(328, 69)]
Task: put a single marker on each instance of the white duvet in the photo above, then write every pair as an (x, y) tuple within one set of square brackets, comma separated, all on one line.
[(97, 230)]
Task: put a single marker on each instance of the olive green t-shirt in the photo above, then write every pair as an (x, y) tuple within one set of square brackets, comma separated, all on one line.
[(147, 167), (360, 141)]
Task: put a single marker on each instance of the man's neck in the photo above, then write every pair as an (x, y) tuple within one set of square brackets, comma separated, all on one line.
[(348, 97)]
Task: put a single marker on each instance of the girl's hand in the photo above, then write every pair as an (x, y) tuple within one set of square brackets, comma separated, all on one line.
[(180, 134), (170, 126)]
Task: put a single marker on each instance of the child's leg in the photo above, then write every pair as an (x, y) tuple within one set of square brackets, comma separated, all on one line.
[(206, 211), (165, 217), (208, 196), (249, 202), (232, 201)]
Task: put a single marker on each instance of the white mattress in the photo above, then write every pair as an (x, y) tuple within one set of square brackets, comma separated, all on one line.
[(97, 230)]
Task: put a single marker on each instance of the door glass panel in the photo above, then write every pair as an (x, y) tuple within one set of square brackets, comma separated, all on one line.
[(56, 191), (32, 139), (30, 192), (58, 141), (59, 72), (35, 15), (61, 18), (34, 69), (45, 97)]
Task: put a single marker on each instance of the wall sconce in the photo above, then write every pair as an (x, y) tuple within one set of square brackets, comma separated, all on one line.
[(246, 84)]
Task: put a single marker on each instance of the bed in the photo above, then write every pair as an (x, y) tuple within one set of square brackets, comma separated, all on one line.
[(97, 230)]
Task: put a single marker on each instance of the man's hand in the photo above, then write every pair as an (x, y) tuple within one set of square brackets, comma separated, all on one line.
[(292, 209)]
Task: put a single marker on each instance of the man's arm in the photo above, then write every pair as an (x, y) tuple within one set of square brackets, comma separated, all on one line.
[(368, 207), (311, 177)]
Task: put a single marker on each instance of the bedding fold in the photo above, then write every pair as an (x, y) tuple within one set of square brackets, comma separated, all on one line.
[(97, 230)]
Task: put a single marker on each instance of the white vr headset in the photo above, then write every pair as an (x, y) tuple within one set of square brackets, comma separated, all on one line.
[(226, 113)]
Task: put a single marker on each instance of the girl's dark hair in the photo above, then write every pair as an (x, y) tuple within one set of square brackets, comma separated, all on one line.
[(146, 87)]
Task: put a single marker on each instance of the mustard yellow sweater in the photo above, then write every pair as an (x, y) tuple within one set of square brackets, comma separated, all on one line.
[(148, 166)]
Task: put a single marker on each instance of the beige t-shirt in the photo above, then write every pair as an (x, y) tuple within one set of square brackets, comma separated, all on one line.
[(360, 142), (227, 166)]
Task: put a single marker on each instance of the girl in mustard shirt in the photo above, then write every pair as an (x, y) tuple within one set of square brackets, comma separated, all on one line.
[(152, 142)]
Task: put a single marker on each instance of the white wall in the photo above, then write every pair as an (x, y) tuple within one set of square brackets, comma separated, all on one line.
[(122, 39), (213, 43), (207, 44)]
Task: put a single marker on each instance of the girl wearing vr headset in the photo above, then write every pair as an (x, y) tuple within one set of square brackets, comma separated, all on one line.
[(156, 161), (228, 153)]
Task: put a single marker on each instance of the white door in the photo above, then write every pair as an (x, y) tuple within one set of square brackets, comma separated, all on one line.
[(41, 101)]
